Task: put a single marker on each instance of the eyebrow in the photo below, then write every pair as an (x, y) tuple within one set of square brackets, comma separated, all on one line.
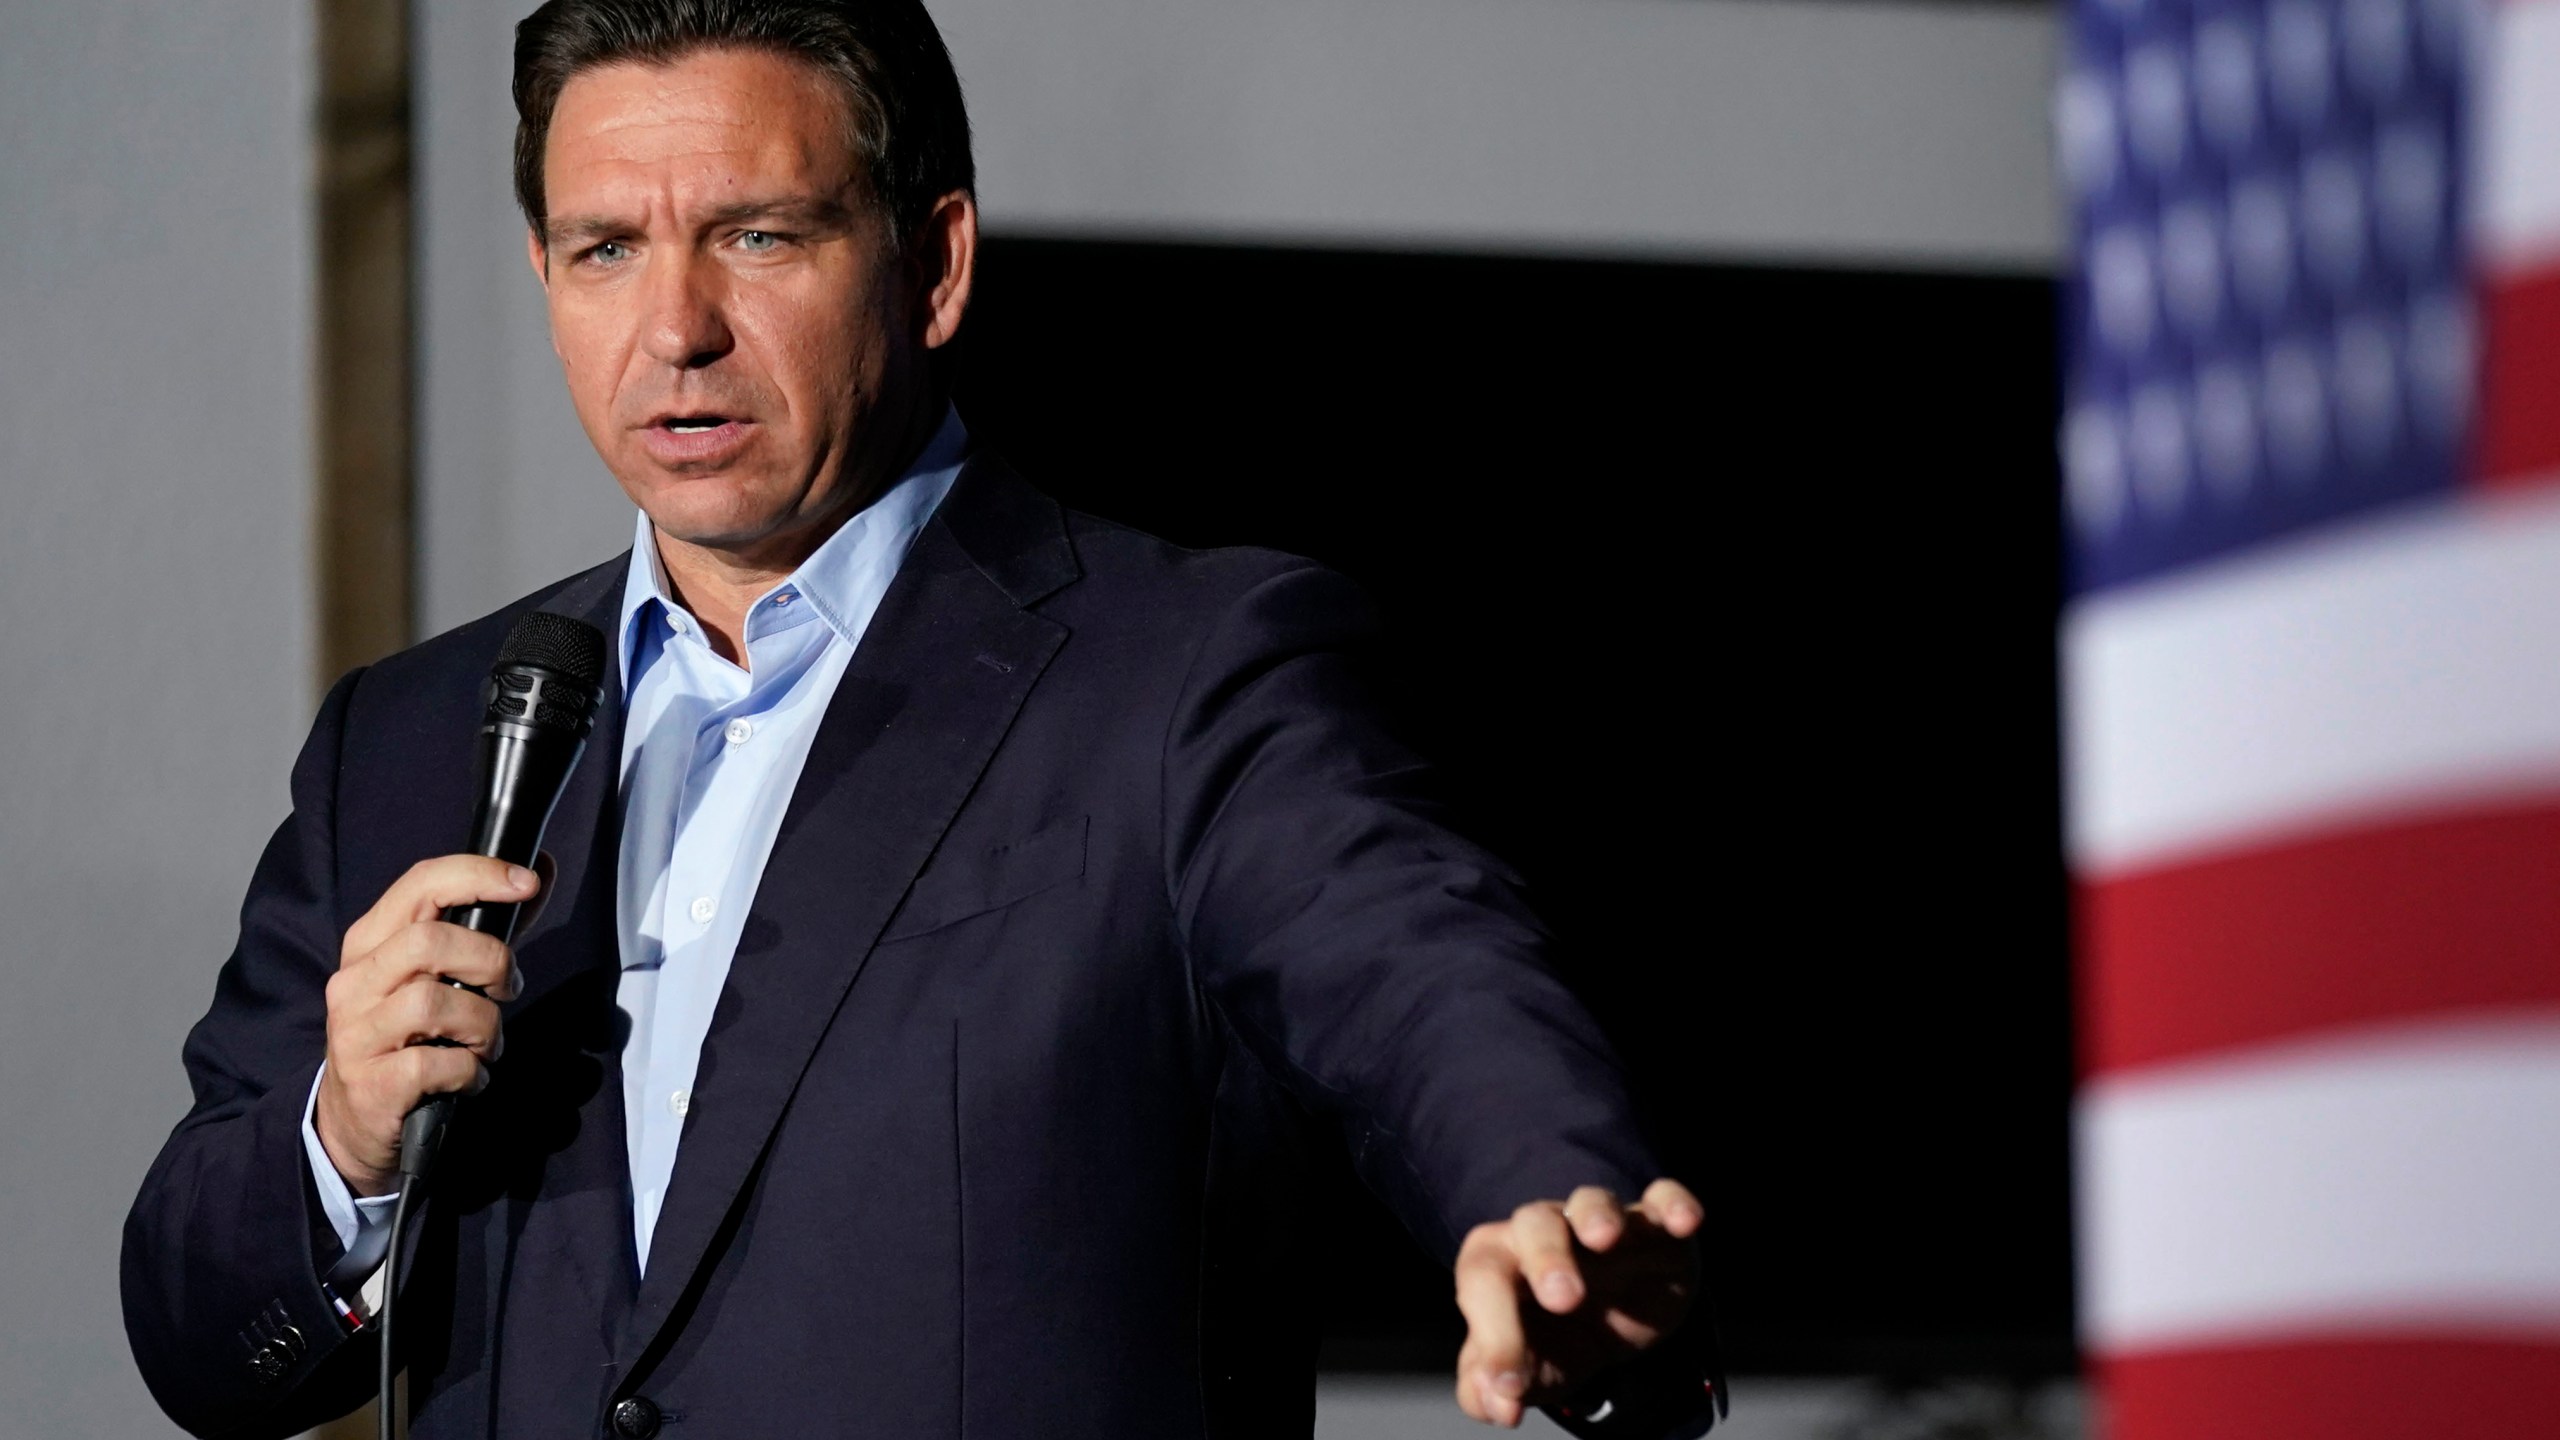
[(801, 212)]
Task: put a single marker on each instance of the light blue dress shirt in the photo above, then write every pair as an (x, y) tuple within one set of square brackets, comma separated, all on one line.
[(711, 752)]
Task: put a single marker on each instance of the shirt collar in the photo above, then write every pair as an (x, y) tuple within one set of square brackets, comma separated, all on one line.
[(845, 577)]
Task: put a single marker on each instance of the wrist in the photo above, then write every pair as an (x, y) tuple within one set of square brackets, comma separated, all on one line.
[(362, 1179)]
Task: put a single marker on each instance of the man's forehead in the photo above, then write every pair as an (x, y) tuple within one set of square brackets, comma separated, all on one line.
[(765, 120)]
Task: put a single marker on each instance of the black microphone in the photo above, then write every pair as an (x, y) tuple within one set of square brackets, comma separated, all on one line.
[(541, 705)]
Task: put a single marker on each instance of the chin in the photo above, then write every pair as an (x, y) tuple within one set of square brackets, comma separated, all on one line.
[(703, 510)]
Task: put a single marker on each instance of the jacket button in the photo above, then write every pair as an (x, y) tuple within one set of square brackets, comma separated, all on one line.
[(269, 1362), (636, 1418)]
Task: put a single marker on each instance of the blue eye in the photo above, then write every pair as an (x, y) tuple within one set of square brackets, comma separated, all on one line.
[(759, 241), (608, 252)]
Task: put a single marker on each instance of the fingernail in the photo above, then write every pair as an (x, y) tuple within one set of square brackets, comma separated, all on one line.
[(1509, 1384), (1558, 1289), (520, 877)]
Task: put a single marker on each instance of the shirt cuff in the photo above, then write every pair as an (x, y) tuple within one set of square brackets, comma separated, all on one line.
[(363, 1225)]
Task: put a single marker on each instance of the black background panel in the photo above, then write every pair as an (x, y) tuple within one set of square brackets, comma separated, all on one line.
[(1726, 597)]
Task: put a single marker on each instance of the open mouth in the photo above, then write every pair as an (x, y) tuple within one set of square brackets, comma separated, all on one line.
[(697, 438)]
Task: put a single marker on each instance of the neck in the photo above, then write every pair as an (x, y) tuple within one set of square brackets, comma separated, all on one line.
[(719, 584)]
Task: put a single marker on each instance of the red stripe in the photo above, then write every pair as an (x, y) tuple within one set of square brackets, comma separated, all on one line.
[(2519, 441), (2368, 1389), (2382, 923)]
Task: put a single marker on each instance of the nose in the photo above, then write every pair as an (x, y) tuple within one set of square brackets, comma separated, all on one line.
[(683, 327)]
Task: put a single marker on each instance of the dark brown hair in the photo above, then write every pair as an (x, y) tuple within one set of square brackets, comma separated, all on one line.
[(911, 132)]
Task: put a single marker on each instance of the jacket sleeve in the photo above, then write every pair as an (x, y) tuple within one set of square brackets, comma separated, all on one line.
[(1391, 971), (226, 1242)]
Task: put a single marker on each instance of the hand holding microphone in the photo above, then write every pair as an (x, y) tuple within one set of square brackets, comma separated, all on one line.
[(413, 1009), (388, 1000)]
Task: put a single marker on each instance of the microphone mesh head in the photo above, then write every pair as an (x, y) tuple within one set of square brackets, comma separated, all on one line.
[(573, 648)]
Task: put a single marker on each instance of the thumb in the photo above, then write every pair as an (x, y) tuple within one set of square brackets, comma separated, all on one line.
[(548, 870)]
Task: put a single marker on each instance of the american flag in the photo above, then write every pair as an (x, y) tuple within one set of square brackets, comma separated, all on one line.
[(2312, 662)]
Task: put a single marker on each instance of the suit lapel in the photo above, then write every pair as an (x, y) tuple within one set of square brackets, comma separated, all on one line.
[(936, 683), (584, 836)]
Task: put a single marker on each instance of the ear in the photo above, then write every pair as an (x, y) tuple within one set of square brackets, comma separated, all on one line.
[(946, 259), (539, 256)]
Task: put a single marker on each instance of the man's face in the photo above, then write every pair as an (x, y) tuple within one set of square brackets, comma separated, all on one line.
[(741, 346)]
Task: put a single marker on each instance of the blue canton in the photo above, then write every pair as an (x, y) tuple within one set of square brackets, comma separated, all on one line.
[(2269, 322)]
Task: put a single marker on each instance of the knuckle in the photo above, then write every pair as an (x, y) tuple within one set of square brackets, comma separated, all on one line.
[(490, 959), (482, 1027), (437, 1069), (423, 878), (415, 1006), (417, 1071)]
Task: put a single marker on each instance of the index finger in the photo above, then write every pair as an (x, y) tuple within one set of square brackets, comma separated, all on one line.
[(1494, 1364), (1673, 1208), (431, 887), (1597, 1220)]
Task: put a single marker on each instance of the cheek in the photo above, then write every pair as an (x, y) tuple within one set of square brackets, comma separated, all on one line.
[(817, 356), (588, 342)]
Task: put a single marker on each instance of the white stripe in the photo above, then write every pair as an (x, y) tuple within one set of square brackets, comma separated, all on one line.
[(2406, 661), (2407, 1179), (2518, 198)]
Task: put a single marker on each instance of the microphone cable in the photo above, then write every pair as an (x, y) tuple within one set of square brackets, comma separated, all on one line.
[(384, 1407)]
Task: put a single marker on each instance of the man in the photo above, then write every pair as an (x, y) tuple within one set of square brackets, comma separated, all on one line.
[(961, 912)]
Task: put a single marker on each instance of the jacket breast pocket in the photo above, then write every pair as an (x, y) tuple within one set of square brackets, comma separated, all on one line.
[(958, 887)]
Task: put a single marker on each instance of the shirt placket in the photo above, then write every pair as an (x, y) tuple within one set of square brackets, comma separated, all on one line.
[(689, 911)]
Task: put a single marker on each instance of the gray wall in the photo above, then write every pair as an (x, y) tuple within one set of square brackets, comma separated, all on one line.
[(510, 494), (155, 596), (1769, 129)]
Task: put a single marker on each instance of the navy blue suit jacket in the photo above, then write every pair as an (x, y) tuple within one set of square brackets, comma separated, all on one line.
[(1103, 882)]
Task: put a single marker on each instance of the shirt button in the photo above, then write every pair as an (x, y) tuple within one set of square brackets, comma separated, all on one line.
[(783, 599), (704, 907), (680, 1102), (740, 732)]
